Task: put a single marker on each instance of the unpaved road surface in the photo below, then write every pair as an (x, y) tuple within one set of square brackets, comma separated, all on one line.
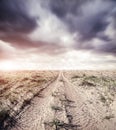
[(64, 106)]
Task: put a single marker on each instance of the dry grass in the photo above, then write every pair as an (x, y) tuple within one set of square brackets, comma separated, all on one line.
[(103, 81), (17, 89)]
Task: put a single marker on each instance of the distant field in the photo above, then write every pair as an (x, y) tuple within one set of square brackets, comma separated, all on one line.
[(94, 88)]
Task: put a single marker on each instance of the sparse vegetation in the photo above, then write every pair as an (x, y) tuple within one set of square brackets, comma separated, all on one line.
[(109, 117), (103, 82), (17, 89), (3, 115), (87, 83), (75, 77), (103, 99), (55, 94), (56, 108), (59, 125), (7, 120), (54, 124)]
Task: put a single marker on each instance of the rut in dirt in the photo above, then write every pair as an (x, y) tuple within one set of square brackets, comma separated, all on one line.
[(61, 106)]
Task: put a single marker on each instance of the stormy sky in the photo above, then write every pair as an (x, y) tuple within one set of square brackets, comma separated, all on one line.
[(58, 34)]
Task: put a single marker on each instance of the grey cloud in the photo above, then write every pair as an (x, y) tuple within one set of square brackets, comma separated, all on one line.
[(82, 17), (63, 7), (87, 18), (109, 47), (15, 22), (43, 47), (14, 17)]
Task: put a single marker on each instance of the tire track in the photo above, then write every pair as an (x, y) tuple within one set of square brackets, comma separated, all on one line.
[(87, 116), (63, 106), (40, 110)]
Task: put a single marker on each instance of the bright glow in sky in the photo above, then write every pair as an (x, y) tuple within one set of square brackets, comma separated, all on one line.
[(8, 65), (69, 60)]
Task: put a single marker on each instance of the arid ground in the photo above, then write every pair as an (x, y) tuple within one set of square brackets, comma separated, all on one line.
[(58, 100)]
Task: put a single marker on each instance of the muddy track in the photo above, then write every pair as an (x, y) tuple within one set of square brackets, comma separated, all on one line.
[(63, 106)]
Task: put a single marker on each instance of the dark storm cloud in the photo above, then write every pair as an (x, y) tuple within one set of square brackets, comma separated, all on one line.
[(62, 7), (114, 17), (14, 17), (110, 47), (87, 18), (90, 19), (25, 43), (15, 22)]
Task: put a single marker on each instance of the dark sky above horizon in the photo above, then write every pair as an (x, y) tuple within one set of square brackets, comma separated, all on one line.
[(46, 34)]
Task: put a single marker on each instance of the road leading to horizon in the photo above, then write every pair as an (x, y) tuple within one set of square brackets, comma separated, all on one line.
[(63, 106)]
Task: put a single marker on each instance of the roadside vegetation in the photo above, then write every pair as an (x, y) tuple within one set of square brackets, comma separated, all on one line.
[(17, 89), (103, 81)]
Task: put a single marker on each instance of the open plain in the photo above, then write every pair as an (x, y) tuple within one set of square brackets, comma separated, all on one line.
[(58, 100)]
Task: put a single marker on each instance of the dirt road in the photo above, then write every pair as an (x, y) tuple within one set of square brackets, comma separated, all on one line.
[(63, 106)]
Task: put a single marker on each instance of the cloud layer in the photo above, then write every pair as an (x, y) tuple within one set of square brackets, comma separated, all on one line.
[(54, 27)]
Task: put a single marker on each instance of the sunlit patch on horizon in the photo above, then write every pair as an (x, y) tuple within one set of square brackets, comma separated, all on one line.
[(8, 66)]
